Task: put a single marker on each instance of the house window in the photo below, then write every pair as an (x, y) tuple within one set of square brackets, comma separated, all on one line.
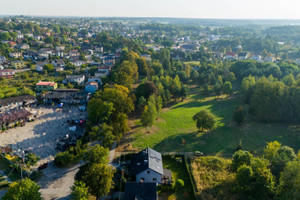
[(148, 172), (154, 179)]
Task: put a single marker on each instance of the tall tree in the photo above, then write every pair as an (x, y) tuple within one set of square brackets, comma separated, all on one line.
[(24, 189)]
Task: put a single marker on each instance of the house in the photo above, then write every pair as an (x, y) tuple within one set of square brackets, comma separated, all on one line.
[(230, 55), (60, 48), (269, 59), (15, 55), (79, 79), (58, 63), (22, 46), (68, 96), (45, 86), (146, 166), (32, 55), (8, 104), (39, 67), (91, 87), (7, 73), (98, 80), (256, 57), (18, 64), (147, 57), (74, 53), (2, 59), (99, 49), (242, 56), (140, 191), (100, 74), (20, 36), (10, 118), (104, 69), (77, 63)]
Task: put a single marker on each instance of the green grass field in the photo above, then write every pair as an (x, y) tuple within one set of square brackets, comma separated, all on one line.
[(175, 125), (179, 171)]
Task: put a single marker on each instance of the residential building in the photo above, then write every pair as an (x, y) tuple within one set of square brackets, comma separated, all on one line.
[(7, 73), (147, 57), (104, 69), (230, 55), (15, 55), (146, 166), (32, 55), (91, 87), (98, 80), (100, 74), (78, 79), (11, 118), (256, 57), (8, 104), (18, 64), (269, 59), (45, 86), (22, 46), (77, 63), (68, 96), (60, 48), (140, 191), (39, 67), (74, 53), (242, 56)]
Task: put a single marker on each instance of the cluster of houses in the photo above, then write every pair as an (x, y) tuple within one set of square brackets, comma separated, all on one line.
[(13, 112)]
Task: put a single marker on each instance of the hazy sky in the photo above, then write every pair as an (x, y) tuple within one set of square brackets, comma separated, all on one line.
[(258, 9)]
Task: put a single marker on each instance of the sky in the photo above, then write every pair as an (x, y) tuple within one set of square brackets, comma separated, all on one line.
[(215, 9)]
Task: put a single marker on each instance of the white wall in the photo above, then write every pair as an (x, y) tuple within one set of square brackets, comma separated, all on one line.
[(149, 177)]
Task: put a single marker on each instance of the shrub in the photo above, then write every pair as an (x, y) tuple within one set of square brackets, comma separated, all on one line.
[(179, 184), (239, 115)]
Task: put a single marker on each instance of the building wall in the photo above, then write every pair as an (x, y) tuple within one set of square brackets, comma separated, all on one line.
[(148, 177)]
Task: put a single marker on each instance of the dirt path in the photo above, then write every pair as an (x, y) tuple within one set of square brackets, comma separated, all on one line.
[(56, 182)]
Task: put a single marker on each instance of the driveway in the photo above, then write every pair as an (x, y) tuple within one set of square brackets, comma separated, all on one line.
[(56, 182)]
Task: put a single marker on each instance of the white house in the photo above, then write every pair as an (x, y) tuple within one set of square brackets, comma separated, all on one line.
[(77, 63), (39, 67), (15, 55), (79, 79), (146, 166), (256, 57)]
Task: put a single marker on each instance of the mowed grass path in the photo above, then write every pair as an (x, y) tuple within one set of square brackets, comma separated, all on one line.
[(176, 124)]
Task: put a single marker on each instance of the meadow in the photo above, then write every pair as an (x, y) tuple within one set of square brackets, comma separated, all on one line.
[(175, 130)]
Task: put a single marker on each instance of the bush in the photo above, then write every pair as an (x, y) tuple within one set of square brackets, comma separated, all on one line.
[(179, 184), (239, 115), (63, 159)]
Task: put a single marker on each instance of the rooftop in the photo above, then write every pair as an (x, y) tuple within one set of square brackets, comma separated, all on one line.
[(146, 159), (42, 83)]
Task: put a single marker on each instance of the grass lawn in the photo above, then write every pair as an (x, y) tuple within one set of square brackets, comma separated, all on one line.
[(175, 125), (178, 172), (192, 62)]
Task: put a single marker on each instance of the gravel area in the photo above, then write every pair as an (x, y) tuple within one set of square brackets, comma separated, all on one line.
[(41, 135)]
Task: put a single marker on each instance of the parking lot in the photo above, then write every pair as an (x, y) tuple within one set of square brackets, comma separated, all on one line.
[(42, 135)]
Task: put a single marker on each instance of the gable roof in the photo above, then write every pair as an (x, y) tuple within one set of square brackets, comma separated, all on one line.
[(146, 159), (140, 191), (41, 83)]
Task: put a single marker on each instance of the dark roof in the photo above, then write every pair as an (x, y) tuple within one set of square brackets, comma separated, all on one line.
[(242, 54), (65, 94), (14, 116), (140, 191), (22, 98), (146, 159)]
